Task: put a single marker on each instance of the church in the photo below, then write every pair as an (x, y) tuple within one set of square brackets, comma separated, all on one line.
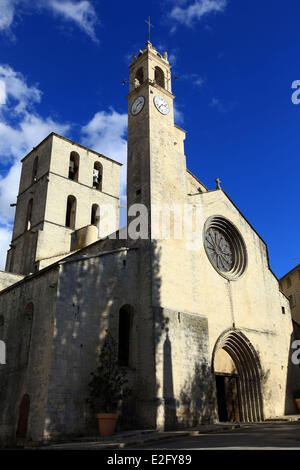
[(186, 288)]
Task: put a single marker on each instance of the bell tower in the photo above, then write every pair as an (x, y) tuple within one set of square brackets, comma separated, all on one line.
[(156, 170), (156, 175), (63, 188)]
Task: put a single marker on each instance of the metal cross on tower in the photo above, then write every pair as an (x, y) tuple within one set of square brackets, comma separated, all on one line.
[(150, 26)]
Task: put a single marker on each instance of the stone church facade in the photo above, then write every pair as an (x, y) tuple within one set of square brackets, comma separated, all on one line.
[(205, 326)]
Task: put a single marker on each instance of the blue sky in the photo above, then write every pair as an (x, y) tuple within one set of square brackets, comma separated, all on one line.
[(63, 62)]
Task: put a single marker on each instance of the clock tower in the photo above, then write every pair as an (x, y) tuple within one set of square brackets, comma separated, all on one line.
[(156, 177), (156, 162)]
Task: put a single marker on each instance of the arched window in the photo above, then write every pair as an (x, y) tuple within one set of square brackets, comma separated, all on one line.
[(95, 215), (23, 416), (97, 176), (35, 169), (139, 76), (71, 212), (125, 322), (73, 166), (159, 77), (29, 215)]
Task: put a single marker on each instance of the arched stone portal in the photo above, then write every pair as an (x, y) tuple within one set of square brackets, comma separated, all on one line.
[(241, 373)]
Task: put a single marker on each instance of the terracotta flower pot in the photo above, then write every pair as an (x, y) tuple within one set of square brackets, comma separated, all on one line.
[(107, 423), (297, 400)]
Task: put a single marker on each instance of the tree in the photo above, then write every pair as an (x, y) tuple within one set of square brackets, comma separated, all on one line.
[(107, 386)]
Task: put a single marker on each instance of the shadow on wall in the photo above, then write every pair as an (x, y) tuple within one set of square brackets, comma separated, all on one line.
[(197, 397), (170, 415), (194, 405), (193, 400), (91, 295)]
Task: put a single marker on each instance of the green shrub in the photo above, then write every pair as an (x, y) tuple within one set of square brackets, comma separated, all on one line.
[(107, 386)]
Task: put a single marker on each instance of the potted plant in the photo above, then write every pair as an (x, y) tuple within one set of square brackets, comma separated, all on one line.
[(297, 398), (107, 387)]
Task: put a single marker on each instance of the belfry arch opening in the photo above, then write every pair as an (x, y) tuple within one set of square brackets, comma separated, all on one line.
[(97, 176), (159, 77), (139, 76), (73, 166), (35, 169), (71, 212), (237, 371), (28, 221), (95, 215)]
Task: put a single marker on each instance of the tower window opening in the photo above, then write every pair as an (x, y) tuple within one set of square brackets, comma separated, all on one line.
[(28, 221), (159, 77), (95, 215), (35, 169), (74, 166), (139, 76), (71, 212), (97, 176), (125, 320)]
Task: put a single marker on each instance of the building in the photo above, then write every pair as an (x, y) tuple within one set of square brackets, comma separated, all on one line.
[(198, 310), (59, 200), (290, 285)]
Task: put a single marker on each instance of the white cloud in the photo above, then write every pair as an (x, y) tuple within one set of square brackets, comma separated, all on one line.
[(217, 104), (106, 133), (16, 89), (172, 59), (193, 78), (8, 192), (82, 13), (7, 11), (28, 127), (199, 81), (2, 92), (5, 238), (188, 14)]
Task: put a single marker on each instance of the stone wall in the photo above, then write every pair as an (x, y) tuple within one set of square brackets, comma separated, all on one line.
[(252, 303), (290, 285), (28, 337), (90, 294), (7, 279), (185, 385)]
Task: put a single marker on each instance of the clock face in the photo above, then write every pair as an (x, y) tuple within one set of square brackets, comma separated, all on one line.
[(137, 105), (161, 104)]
